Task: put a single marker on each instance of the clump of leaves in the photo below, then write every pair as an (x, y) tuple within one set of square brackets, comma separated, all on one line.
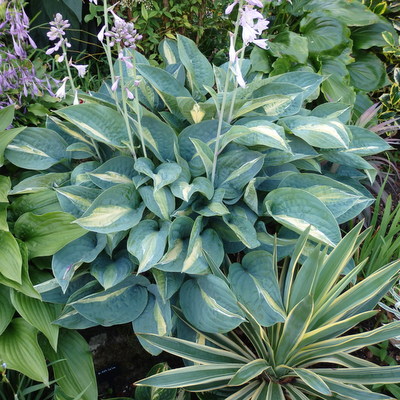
[(296, 318)]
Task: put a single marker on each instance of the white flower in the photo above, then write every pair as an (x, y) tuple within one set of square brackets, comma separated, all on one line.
[(100, 36), (80, 68), (93, 1), (61, 91), (251, 29), (76, 100)]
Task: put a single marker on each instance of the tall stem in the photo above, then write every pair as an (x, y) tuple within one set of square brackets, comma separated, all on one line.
[(137, 105), (224, 98), (236, 87), (64, 49), (124, 107)]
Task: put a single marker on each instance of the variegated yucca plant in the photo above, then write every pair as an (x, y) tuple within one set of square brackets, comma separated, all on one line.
[(294, 342)]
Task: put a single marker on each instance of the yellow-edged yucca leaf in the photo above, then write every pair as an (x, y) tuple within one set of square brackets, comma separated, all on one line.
[(311, 379), (193, 351), (345, 343), (275, 392), (249, 391), (38, 314), (20, 350), (198, 375), (357, 295), (362, 376), (294, 329), (248, 372)]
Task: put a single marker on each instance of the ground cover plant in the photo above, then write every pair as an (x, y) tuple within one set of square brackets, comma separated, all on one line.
[(170, 185)]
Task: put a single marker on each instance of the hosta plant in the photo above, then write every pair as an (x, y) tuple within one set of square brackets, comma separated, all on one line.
[(28, 339), (295, 340), (167, 172)]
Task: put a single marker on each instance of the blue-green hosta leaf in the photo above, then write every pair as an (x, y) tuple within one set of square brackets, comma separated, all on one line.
[(166, 86), (365, 37), (147, 242), (111, 271), (117, 208), (365, 142), (20, 350), (101, 123), (212, 207), (113, 240), (11, 259), (46, 234), (295, 93), (168, 283), (207, 241), (209, 304), (200, 71), (165, 174), (80, 174), (40, 182), (5, 138), (347, 158), (333, 110), (188, 246), (235, 169), (342, 200), (7, 310), (155, 318), (297, 209), (168, 49), (184, 190), (205, 131), (37, 149), (161, 203), (118, 305), (67, 260), (308, 81), (265, 134), (319, 132), (39, 314), (71, 319), (76, 199), (196, 112), (159, 137), (73, 366), (256, 286), (243, 229), (114, 171)]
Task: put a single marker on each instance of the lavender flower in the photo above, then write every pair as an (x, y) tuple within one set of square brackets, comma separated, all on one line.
[(57, 32), (123, 33), (18, 77)]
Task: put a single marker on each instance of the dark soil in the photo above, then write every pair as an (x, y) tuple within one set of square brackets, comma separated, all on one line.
[(120, 360)]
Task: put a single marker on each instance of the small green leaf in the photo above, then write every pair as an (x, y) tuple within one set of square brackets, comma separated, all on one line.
[(20, 350), (10, 260)]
